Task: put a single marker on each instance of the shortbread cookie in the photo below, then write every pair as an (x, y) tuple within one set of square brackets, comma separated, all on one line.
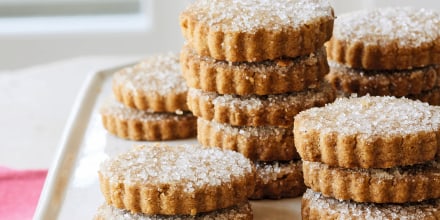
[(237, 30), (252, 110), (386, 38), (383, 83), (275, 180), (431, 96), (393, 185), (176, 180), (369, 132), (155, 84), (262, 78), (262, 143), (317, 207), (134, 124), (239, 212)]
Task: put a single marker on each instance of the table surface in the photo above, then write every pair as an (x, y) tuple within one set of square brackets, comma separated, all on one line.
[(35, 104)]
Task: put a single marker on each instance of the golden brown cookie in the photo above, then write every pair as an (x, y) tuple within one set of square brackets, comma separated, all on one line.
[(393, 185), (262, 78), (263, 143), (134, 124), (383, 83), (176, 180), (155, 84), (240, 212), (369, 132), (255, 31), (431, 96), (317, 207), (275, 180), (252, 110), (386, 38)]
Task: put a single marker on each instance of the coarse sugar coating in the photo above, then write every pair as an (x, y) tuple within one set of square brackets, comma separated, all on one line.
[(174, 180), (262, 143), (386, 38), (252, 110), (383, 83), (393, 185), (260, 78), (317, 207), (155, 84), (256, 30), (242, 211), (278, 179), (369, 132), (134, 124)]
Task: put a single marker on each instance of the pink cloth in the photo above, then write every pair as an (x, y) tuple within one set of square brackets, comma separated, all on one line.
[(19, 192)]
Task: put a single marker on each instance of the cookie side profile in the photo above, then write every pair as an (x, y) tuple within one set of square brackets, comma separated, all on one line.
[(263, 143), (240, 212), (134, 124), (276, 180), (383, 83), (386, 38), (271, 110), (155, 84), (369, 132), (394, 185), (176, 180), (431, 97), (315, 206), (261, 78), (256, 31)]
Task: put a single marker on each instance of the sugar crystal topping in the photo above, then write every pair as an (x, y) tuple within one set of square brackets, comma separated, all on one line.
[(349, 210), (371, 115), (405, 26), (112, 107), (159, 74), (191, 167), (251, 15), (276, 170)]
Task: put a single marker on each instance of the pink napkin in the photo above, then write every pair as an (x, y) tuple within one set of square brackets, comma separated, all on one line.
[(19, 192)]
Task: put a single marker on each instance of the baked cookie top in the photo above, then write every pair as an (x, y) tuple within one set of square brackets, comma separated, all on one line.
[(369, 132), (253, 15), (386, 38), (256, 30), (154, 84), (191, 166)]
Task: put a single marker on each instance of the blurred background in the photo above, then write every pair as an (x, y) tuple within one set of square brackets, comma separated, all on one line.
[(40, 31)]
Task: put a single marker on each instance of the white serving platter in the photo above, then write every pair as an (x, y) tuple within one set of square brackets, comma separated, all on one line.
[(71, 190)]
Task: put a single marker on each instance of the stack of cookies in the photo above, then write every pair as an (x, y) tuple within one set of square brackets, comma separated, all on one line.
[(149, 101), (370, 158), (387, 52), (251, 66), (176, 182)]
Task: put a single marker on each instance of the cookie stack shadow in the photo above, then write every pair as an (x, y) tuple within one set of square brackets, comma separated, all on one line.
[(251, 69), (387, 52), (149, 101), (370, 158)]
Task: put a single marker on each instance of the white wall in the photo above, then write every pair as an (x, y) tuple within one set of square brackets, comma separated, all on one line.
[(32, 47)]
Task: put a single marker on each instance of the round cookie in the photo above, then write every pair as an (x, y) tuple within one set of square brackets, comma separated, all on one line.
[(154, 84), (393, 185), (240, 212), (262, 143), (134, 124), (261, 78), (176, 180), (276, 179), (253, 31), (317, 207), (369, 132), (386, 38), (383, 83), (431, 96), (252, 110)]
